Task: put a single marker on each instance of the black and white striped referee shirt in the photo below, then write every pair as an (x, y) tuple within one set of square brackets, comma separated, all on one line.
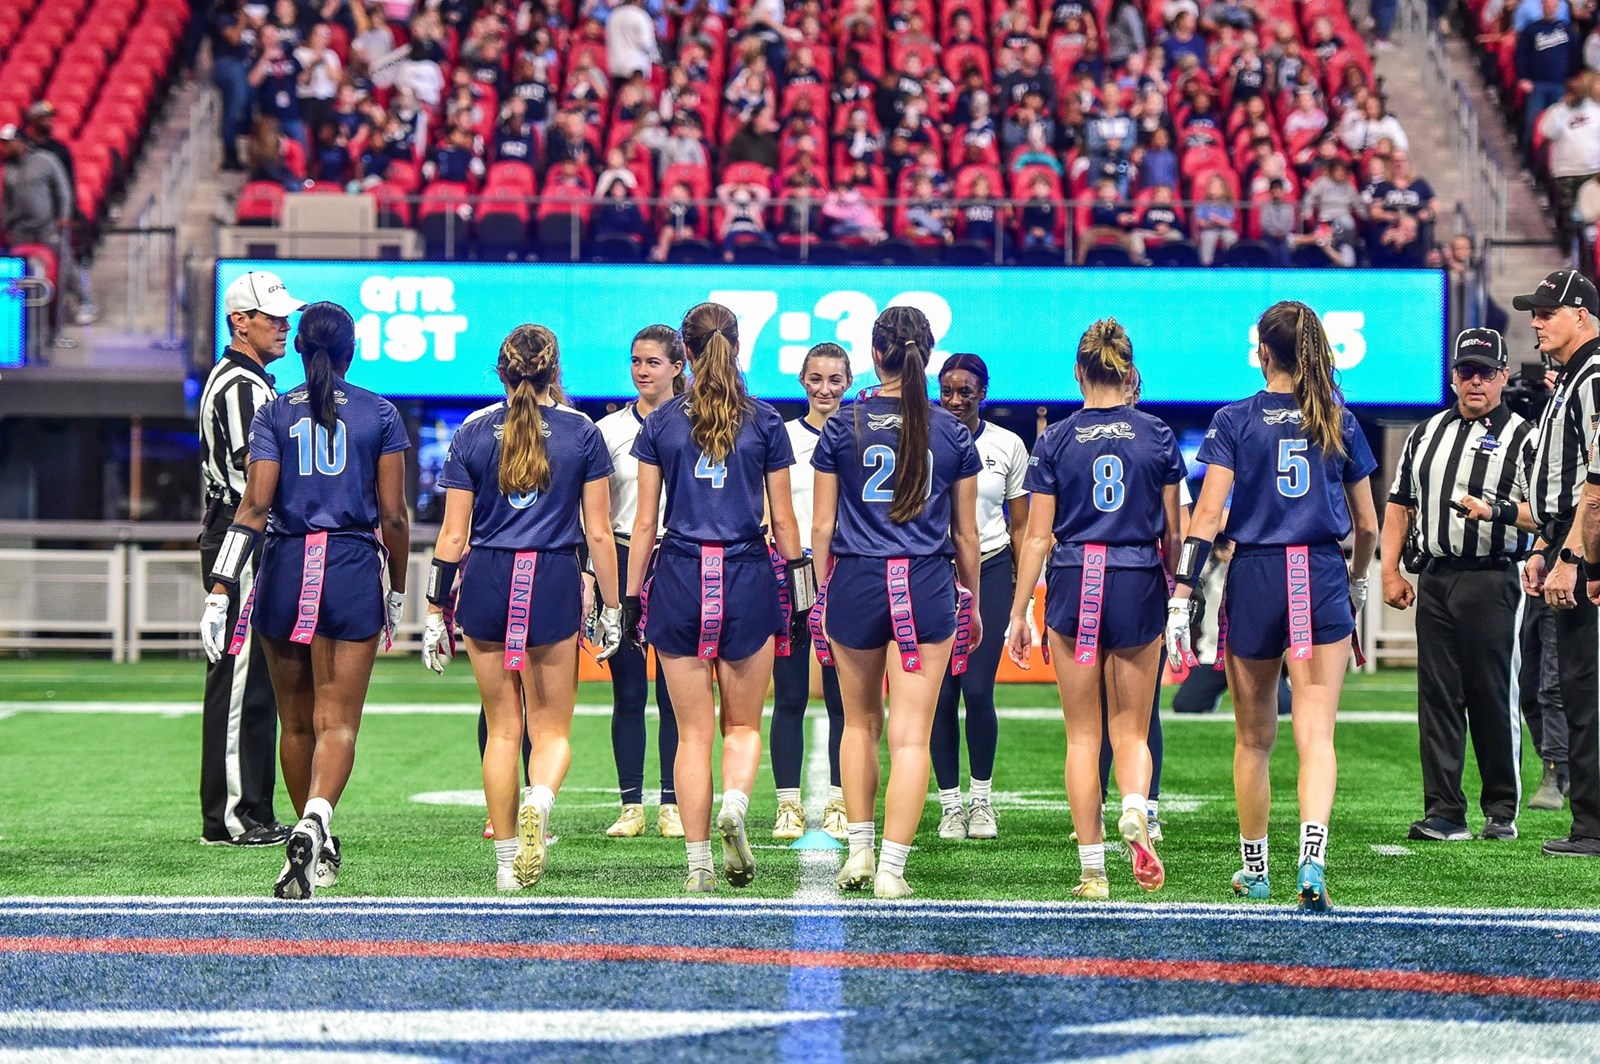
[(1566, 441), (1447, 457), (237, 387)]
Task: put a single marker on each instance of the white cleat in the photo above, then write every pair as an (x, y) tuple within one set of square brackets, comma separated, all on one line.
[(297, 881), (738, 863), (858, 871), (888, 886), (629, 825), (669, 824), (528, 865), (953, 825), (700, 881), (790, 822), (327, 873), (834, 820), (505, 879), (981, 821)]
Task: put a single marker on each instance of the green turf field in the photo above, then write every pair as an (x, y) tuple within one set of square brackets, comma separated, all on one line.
[(105, 803)]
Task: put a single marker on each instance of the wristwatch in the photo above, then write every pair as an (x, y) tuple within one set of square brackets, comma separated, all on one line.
[(1567, 556)]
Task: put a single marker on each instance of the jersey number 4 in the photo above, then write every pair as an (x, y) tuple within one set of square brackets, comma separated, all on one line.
[(705, 469), (313, 451), (880, 459)]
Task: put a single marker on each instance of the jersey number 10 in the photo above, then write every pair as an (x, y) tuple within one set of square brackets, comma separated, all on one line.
[(313, 453)]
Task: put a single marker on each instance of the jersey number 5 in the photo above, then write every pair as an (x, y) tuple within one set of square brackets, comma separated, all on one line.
[(705, 469), (880, 459), (1294, 471), (315, 454)]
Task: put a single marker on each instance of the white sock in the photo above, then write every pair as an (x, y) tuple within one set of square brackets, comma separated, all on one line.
[(835, 794), (949, 799), (788, 794), (735, 803), (861, 836), (505, 851), (1254, 854), (542, 798), (892, 858), (1151, 807), (1093, 859), (699, 856), (1313, 842), (979, 789), (319, 808), (1133, 802)]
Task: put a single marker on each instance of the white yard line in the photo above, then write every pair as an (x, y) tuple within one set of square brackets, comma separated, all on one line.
[(817, 867)]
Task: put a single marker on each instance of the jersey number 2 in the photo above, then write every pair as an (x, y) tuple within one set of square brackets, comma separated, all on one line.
[(1294, 471), (880, 459), (705, 469), (314, 453)]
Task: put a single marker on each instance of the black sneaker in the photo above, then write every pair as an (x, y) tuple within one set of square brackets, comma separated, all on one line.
[(297, 880), (273, 834), (1573, 846), (1438, 829), (1499, 828)]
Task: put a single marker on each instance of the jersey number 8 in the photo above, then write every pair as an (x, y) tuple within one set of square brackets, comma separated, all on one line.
[(880, 459), (316, 454), (1109, 492)]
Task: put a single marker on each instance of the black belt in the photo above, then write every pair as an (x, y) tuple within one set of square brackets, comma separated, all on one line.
[(1469, 565)]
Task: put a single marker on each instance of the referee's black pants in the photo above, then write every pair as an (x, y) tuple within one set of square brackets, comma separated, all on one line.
[(1578, 644), (239, 727), (1467, 626)]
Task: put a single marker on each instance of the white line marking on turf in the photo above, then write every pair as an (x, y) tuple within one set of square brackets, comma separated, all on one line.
[(817, 867), (1391, 851), (588, 709)]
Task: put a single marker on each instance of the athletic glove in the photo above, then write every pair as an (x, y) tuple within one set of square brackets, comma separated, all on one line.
[(214, 627), (436, 652), (1358, 591), (633, 621), (610, 629), (1179, 640), (396, 605)]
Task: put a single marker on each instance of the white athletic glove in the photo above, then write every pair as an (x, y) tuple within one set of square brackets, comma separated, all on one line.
[(1358, 591), (610, 630), (214, 627), (435, 643), (396, 606), (1178, 620)]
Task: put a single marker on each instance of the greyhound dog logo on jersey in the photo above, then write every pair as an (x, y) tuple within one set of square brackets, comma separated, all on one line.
[(1117, 430), (544, 430), (883, 421), (297, 398), (1283, 417)]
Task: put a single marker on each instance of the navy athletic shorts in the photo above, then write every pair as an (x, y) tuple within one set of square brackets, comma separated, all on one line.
[(1134, 610), (350, 605), (556, 611), (740, 601), (857, 613), (1257, 600)]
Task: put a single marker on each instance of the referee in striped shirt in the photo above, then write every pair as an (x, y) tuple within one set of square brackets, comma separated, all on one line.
[(1461, 477), (1564, 309), (238, 754)]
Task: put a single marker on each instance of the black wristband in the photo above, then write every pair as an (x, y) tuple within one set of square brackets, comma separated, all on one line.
[(442, 581), (238, 545), (1191, 560), (1505, 513)]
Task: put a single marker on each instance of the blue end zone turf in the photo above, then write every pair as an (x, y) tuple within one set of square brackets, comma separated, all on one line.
[(474, 979)]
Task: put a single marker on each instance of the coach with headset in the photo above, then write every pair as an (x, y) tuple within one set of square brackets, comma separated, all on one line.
[(238, 752), (1461, 478)]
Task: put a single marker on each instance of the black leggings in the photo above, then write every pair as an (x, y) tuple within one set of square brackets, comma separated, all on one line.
[(791, 696), (996, 584), (1157, 745), (630, 686)]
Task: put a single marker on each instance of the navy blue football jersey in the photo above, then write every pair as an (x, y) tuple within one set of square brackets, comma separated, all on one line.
[(323, 488), (536, 520), (721, 502), (859, 445), (1107, 468), (1286, 492)]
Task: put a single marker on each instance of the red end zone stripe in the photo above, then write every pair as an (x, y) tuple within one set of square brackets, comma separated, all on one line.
[(1235, 972)]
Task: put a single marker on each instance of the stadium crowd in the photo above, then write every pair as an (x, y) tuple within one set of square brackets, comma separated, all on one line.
[(1250, 133)]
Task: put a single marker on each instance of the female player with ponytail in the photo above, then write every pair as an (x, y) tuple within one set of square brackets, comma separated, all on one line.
[(713, 605), (896, 496), (1002, 518), (1297, 465), (1105, 489), (824, 374), (516, 483), (327, 466), (656, 366)]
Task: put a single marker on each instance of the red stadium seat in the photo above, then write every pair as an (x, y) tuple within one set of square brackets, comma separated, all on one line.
[(260, 203)]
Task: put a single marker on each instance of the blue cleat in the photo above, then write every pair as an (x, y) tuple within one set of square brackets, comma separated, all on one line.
[(1247, 885), (1313, 890)]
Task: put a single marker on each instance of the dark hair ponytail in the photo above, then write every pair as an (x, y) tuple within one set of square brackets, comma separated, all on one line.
[(903, 340), (326, 340), (1294, 338)]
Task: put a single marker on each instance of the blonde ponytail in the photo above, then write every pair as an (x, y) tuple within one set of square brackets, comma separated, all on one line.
[(1105, 354), (718, 401)]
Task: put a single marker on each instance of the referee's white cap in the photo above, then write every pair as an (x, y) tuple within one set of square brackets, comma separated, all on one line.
[(263, 291)]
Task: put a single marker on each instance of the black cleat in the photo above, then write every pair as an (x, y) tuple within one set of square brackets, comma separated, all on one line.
[(1496, 827), (1438, 829), (1573, 846)]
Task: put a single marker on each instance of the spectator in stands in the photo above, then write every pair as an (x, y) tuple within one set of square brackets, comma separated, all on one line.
[(267, 161), (1547, 55), (286, 18), (1110, 221), (1027, 122), (1332, 206), (428, 29), (1266, 163), (1040, 216), (457, 159), (1125, 33), (756, 141), (633, 100), (569, 139), (1150, 114), (764, 21), (422, 75), (1037, 153), (321, 73), (683, 146), (276, 81), (515, 139), (1402, 207), (848, 212), (801, 212), (1362, 129), (860, 143), (330, 159), (1249, 73), (1013, 37), (680, 220), (618, 213), (1159, 223), (1073, 130), (616, 171), (531, 83), (39, 128), (1572, 128), (851, 88), (980, 217), (747, 93), (233, 39), (1158, 165), (1181, 38), (36, 200), (374, 38), (1029, 77), (1112, 126), (1527, 12), (1307, 119), (802, 69), (1216, 218), (744, 217), (1325, 44), (630, 41), (1276, 217), (928, 216)]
